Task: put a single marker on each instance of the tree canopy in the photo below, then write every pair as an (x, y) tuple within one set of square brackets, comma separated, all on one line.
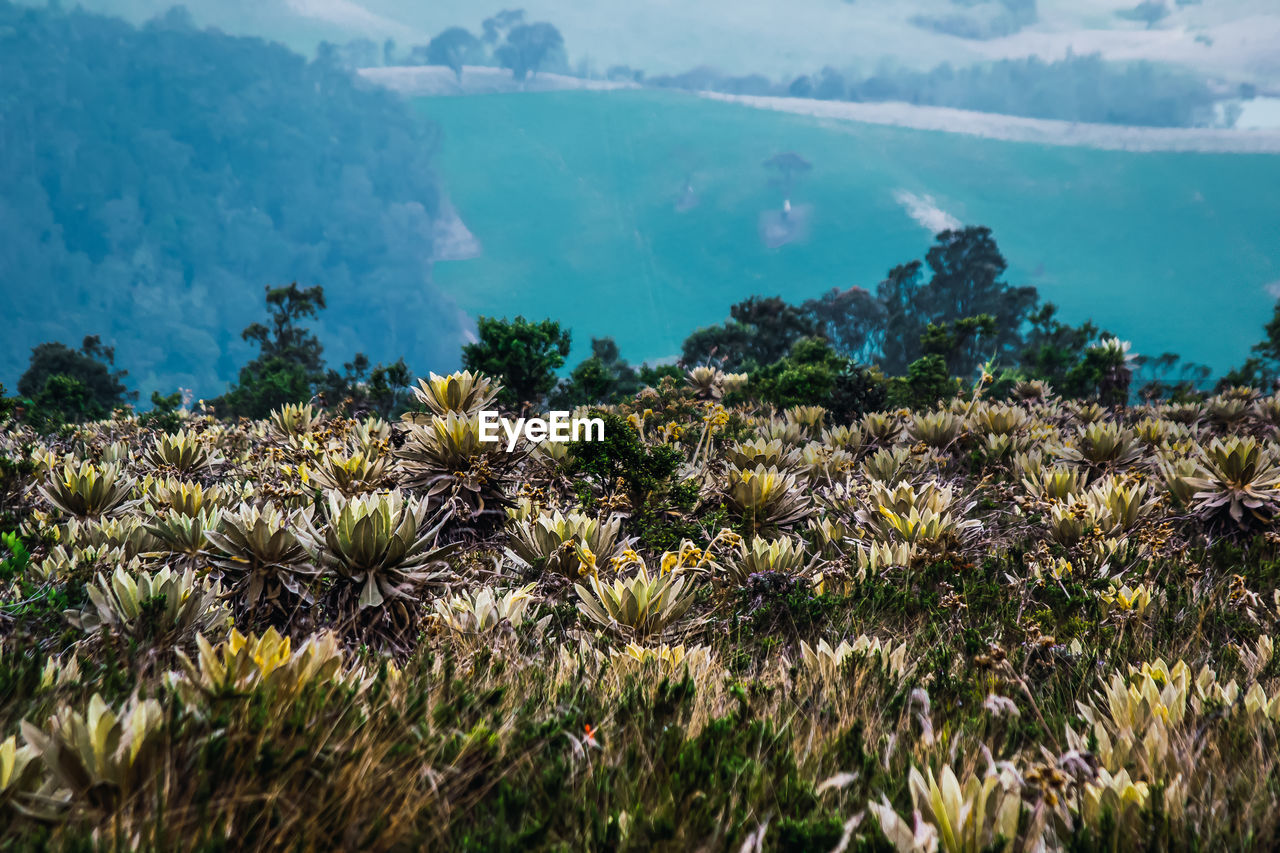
[(759, 331), (290, 365), (75, 385), (523, 353), (530, 47), (604, 377), (927, 335), (454, 48)]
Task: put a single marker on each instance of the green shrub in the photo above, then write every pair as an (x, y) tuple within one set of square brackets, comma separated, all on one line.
[(926, 384)]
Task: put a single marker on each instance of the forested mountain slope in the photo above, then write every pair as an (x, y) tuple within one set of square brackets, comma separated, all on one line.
[(153, 180)]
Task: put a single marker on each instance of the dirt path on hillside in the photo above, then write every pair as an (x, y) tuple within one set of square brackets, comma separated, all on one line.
[(1019, 129), (435, 81)]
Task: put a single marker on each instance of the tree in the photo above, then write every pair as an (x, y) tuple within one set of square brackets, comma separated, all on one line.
[(359, 53), (528, 47), (849, 319), (1104, 373), (726, 345), (927, 381), (1160, 385), (648, 477), (604, 377), (966, 267), (290, 366), (814, 374), (285, 338), (65, 399), (652, 376), (900, 297), (958, 341), (331, 182), (1260, 371), (1083, 362), (525, 355), (1053, 348), (327, 54), (75, 385), (831, 86), (760, 331), (801, 87), (454, 48), (165, 414), (383, 390), (788, 164), (591, 382), (495, 28), (290, 361), (1269, 348)]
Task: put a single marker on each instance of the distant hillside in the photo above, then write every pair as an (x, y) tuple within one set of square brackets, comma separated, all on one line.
[(1079, 89), (154, 180), (433, 80), (1232, 39), (643, 214)]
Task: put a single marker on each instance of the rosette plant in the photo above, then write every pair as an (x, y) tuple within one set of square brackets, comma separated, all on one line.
[(1240, 474), (257, 552), (383, 543)]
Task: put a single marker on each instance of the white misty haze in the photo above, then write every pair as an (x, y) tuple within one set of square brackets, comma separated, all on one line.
[(923, 209), (350, 15)]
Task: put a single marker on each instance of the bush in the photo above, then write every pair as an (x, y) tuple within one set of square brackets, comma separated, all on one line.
[(522, 353), (74, 386), (647, 475), (926, 384), (813, 374), (164, 414)]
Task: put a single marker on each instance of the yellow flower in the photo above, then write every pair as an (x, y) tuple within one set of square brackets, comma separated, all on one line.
[(1135, 600), (587, 558)]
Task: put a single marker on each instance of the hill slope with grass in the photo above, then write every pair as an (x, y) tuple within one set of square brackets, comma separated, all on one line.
[(641, 214)]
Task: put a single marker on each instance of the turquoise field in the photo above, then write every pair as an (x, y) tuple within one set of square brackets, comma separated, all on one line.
[(637, 214)]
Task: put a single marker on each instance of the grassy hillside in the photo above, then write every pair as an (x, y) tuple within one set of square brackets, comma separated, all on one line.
[(576, 198)]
